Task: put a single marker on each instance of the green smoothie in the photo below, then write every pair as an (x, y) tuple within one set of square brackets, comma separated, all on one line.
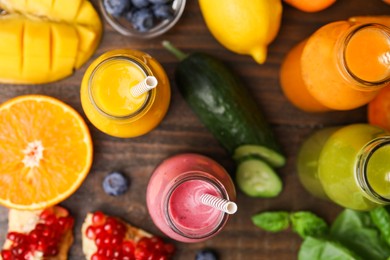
[(337, 163)]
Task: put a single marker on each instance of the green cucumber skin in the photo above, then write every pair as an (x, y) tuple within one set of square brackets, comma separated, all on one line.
[(222, 103)]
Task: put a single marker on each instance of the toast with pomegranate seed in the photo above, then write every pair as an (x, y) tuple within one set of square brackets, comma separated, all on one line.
[(106, 237), (42, 234)]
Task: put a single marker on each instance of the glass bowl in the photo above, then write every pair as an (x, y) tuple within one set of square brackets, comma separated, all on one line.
[(123, 26)]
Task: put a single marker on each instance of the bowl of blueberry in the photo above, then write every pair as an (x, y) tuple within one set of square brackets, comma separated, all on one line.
[(142, 18)]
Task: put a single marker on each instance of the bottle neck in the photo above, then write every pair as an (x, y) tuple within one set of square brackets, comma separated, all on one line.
[(371, 172), (109, 88), (363, 55), (202, 231)]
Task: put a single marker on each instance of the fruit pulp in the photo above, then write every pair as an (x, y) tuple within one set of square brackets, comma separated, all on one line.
[(111, 84), (171, 192), (122, 124), (336, 166)]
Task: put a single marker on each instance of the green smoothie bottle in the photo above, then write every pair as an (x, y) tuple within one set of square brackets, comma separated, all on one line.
[(352, 167)]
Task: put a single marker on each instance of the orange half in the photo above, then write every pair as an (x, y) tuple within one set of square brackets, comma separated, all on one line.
[(45, 152)]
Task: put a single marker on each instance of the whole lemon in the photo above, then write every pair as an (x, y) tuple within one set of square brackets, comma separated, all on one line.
[(243, 26)]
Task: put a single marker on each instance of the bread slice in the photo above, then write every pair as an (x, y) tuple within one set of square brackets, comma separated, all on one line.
[(24, 222)]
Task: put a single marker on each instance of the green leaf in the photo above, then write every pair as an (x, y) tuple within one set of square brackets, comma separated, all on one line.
[(381, 218), (356, 231), (322, 249), (272, 221), (305, 224)]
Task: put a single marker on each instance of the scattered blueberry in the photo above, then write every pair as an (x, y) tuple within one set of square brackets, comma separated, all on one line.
[(115, 184), (143, 19), (163, 11), (160, 1), (140, 3), (116, 7), (206, 254)]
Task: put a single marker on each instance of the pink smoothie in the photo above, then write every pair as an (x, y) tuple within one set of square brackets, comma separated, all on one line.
[(173, 197), (184, 204)]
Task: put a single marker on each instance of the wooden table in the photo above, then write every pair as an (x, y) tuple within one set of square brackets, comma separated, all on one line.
[(181, 131)]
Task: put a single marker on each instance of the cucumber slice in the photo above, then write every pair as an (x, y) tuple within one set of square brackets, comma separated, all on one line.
[(257, 179), (273, 158)]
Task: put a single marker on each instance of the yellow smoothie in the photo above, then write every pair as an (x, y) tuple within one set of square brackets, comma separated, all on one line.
[(111, 86), (106, 93)]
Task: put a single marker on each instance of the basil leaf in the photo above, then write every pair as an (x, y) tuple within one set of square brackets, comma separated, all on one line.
[(272, 221), (381, 218), (305, 224), (321, 249), (356, 231)]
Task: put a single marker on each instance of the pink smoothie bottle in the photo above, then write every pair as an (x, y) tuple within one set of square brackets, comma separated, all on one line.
[(174, 192)]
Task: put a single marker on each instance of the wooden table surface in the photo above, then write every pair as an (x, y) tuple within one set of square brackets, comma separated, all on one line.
[(181, 131)]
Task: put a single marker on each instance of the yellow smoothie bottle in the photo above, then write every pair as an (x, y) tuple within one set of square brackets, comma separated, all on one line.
[(109, 97)]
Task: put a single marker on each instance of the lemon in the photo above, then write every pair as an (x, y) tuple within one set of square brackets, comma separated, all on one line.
[(243, 26)]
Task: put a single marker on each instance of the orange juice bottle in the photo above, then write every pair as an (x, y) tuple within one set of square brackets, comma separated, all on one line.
[(107, 99), (341, 66)]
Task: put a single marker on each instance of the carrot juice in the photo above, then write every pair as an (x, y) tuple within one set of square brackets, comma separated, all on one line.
[(341, 66), (107, 99)]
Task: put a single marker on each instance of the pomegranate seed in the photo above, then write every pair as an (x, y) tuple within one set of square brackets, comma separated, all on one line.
[(116, 240), (46, 213), (144, 243), (50, 220), (98, 218), (128, 247), (6, 254), (141, 253), (97, 257), (108, 227), (66, 223), (90, 232), (98, 230)]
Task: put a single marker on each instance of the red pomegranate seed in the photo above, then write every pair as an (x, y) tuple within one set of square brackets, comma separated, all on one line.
[(98, 230), (99, 240), (6, 254), (141, 254), (90, 232), (144, 243), (97, 257), (98, 218), (128, 247), (46, 213)]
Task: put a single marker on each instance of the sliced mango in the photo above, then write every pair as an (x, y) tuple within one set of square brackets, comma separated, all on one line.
[(11, 47), (36, 51), (65, 46), (46, 40)]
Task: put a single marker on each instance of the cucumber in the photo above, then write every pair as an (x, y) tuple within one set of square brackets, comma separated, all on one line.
[(222, 103), (272, 158), (228, 110), (257, 179)]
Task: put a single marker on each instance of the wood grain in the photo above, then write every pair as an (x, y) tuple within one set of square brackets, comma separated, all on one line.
[(181, 131)]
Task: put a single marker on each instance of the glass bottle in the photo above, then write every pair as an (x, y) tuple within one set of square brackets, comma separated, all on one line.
[(341, 66), (106, 99)]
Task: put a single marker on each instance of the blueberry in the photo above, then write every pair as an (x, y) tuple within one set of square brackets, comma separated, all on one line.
[(140, 3), (206, 254), (116, 7), (160, 1), (115, 184), (143, 19), (163, 11)]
